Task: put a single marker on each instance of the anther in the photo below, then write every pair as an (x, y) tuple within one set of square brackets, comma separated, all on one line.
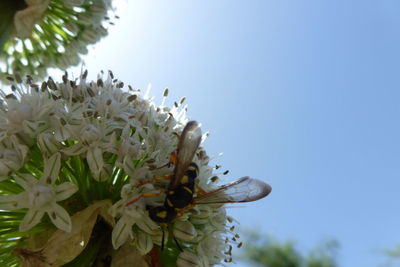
[(100, 83), (132, 98)]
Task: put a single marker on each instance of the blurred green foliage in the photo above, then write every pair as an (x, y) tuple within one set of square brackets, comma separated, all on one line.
[(394, 253), (263, 250), (393, 257)]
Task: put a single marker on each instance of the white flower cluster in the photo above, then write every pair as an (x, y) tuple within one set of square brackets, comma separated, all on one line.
[(122, 140), (53, 34)]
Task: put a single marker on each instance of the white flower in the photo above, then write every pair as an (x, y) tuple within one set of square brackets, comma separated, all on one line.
[(41, 196), (43, 34), (9, 161), (188, 259), (184, 230), (130, 145), (114, 145), (133, 214), (211, 249), (144, 242), (48, 144), (25, 111), (12, 156), (94, 141)]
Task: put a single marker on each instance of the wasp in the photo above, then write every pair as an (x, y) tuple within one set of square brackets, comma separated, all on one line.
[(180, 190), (180, 193)]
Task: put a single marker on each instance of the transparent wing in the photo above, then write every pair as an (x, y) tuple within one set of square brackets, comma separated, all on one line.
[(245, 189), (188, 143)]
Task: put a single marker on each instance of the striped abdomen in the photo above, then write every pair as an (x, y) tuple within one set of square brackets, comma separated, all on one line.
[(183, 195)]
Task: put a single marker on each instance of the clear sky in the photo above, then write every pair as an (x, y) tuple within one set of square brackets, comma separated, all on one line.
[(302, 94)]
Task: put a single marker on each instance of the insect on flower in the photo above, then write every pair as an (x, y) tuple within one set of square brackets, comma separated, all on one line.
[(180, 194)]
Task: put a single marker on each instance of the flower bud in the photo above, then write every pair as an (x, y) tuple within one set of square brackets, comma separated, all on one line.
[(90, 134), (9, 160), (188, 259), (18, 113), (48, 145), (184, 230), (143, 243)]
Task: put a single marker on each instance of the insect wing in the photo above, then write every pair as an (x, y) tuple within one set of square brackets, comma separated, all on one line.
[(245, 189), (188, 143)]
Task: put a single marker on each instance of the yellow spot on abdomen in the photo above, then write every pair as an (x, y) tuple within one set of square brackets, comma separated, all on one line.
[(169, 203), (188, 189), (162, 214), (184, 179)]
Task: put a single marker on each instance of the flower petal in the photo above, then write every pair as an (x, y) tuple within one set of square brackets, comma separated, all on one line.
[(121, 233), (105, 173), (47, 144), (60, 218), (147, 225), (23, 151), (144, 243), (63, 133), (95, 160), (52, 168), (33, 127), (129, 166), (184, 230), (32, 217), (13, 202), (74, 150), (188, 259), (26, 180), (65, 190)]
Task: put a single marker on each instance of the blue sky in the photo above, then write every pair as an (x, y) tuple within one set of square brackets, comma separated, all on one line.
[(302, 94)]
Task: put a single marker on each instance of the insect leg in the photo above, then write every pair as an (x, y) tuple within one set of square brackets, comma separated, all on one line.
[(163, 238), (142, 196), (173, 158), (176, 241), (201, 190), (163, 178), (177, 244), (184, 210)]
